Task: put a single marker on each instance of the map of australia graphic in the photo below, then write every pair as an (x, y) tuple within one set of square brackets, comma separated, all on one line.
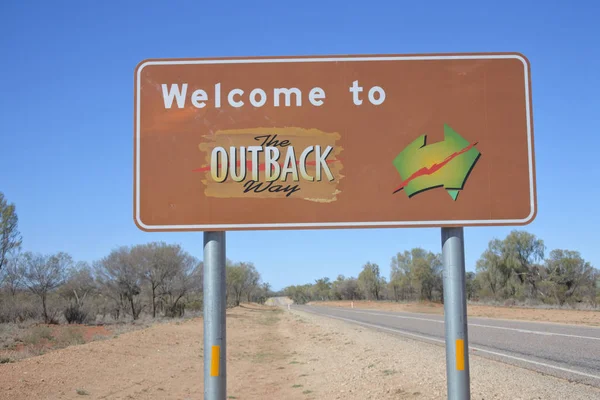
[(446, 164)]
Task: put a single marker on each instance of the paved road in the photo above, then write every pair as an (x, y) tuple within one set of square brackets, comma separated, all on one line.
[(566, 351)]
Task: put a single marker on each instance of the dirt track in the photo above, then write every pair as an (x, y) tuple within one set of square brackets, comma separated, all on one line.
[(161, 362), (165, 362), (271, 355)]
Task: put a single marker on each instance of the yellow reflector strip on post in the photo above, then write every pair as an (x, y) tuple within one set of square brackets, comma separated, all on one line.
[(214, 361), (460, 354)]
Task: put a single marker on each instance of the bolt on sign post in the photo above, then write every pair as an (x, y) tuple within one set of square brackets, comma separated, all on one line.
[(361, 141)]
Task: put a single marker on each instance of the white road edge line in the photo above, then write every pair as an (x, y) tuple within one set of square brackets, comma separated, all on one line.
[(478, 325), (470, 347)]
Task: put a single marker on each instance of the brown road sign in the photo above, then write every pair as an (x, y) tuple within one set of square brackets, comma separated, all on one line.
[(333, 142)]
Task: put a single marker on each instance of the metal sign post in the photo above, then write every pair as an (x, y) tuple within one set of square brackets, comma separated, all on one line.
[(215, 367), (455, 314)]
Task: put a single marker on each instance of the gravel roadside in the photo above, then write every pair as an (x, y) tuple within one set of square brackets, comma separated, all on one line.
[(368, 364), (272, 353)]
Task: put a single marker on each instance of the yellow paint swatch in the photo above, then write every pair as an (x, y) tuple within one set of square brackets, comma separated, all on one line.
[(460, 354), (214, 361)]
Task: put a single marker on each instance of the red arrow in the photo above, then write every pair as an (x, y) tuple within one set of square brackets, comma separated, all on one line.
[(434, 168)]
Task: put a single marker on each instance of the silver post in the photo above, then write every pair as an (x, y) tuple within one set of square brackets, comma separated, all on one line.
[(455, 314), (215, 368)]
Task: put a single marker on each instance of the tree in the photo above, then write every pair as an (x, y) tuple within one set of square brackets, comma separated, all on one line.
[(300, 294), (44, 274), (492, 271), (522, 252), (13, 276), (398, 278), (197, 279), (235, 282), (512, 265), (336, 287), (417, 271), (242, 278), (158, 262), (472, 285), (175, 286), (568, 272), (370, 281), (350, 289), (322, 289), (79, 284), (252, 282), (345, 288), (10, 238), (425, 272), (264, 292), (122, 280)]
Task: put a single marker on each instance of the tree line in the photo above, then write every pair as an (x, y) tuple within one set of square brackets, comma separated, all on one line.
[(157, 279), (160, 279), (516, 269)]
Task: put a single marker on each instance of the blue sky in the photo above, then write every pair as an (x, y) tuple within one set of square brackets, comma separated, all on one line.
[(67, 104)]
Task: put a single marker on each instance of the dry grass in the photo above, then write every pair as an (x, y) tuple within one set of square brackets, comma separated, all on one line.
[(270, 318), (535, 304), (10, 334), (18, 342), (70, 336), (29, 339), (24, 352), (38, 334)]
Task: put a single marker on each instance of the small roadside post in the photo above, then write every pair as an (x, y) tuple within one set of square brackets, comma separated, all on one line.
[(333, 142)]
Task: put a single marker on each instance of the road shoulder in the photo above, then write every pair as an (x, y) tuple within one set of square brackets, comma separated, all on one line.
[(421, 367)]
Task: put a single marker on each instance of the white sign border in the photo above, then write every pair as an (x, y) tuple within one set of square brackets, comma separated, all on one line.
[(316, 225)]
